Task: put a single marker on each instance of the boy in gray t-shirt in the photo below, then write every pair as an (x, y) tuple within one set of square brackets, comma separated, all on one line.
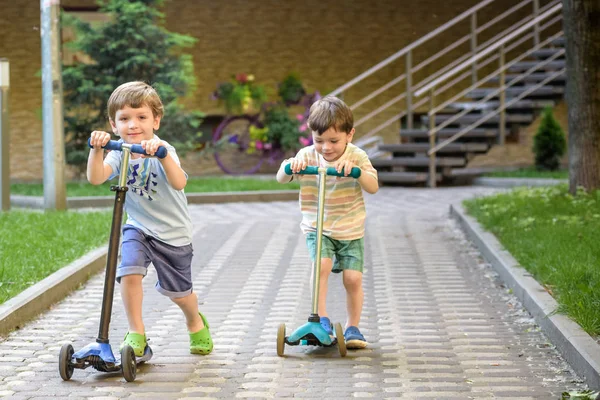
[(158, 229)]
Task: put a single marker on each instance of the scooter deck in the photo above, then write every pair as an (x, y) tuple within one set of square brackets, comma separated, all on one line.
[(311, 334)]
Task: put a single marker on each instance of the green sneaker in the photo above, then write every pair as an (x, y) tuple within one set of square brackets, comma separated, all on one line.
[(201, 342), (136, 341)]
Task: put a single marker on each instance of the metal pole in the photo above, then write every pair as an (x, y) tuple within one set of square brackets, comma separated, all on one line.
[(502, 127), (432, 172), (4, 137), (409, 93), (474, 46), (320, 217), (536, 28), (52, 108)]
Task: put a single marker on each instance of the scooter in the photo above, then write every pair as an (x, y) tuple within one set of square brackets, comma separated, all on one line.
[(312, 333), (99, 355)]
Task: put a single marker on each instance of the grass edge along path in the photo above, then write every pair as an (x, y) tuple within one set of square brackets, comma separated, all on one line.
[(36, 244), (194, 185), (554, 236)]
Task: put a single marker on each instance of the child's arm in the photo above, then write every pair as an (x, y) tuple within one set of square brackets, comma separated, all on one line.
[(175, 174), (368, 177), (297, 166), (97, 170)]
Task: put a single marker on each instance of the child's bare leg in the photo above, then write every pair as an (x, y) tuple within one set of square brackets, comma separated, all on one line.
[(354, 296), (189, 306), (132, 294), (326, 266)]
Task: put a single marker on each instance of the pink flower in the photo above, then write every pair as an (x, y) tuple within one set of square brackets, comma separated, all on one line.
[(299, 117), (305, 141), (259, 145), (268, 146), (302, 127)]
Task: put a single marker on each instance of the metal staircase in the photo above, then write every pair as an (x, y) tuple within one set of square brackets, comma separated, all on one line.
[(477, 99)]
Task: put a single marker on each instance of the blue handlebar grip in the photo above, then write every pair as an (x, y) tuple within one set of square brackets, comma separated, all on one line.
[(355, 173), (135, 148)]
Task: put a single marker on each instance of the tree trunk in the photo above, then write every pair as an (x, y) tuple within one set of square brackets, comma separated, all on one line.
[(581, 24)]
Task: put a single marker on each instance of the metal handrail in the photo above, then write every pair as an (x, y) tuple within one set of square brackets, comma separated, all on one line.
[(488, 50), (410, 47), (412, 70), (474, 125)]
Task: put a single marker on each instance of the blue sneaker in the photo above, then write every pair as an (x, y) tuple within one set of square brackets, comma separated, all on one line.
[(354, 339), (326, 324)]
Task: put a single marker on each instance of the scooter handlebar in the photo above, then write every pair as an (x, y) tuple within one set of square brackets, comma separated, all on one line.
[(355, 173), (135, 148)]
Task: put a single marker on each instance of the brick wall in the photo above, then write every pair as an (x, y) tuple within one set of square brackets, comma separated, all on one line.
[(326, 42)]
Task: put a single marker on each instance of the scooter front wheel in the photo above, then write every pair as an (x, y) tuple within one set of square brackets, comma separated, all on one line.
[(341, 341), (281, 340), (128, 364), (64, 362)]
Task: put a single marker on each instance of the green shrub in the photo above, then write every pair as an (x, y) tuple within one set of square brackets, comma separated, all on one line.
[(549, 143)]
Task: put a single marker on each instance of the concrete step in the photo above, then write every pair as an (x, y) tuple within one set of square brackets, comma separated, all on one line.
[(472, 118), (404, 177), (523, 66), (419, 161), (493, 104), (411, 148), (447, 132), (532, 78), (545, 53), (514, 91)]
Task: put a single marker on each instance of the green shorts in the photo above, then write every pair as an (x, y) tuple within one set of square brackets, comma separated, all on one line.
[(348, 254)]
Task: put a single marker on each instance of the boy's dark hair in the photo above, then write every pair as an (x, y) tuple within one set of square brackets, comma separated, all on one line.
[(329, 112), (134, 94)]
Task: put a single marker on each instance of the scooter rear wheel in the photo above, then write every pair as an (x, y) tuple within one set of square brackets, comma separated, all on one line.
[(128, 364), (64, 362), (341, 342), (281, 340)]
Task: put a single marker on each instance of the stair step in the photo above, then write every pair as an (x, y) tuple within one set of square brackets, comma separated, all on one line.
[(532, 78), (405, 177), (418, 162), (411, 148), (514, 91), (493, 104), (545, 53), (559, 41), (447, 132), (472, 118), (523, 66)]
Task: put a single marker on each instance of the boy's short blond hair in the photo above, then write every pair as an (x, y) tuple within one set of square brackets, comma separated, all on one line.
[(329, 112), (134, 94)]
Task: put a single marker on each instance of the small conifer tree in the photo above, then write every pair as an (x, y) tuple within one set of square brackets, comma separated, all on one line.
[(549, 143), (132, 46)]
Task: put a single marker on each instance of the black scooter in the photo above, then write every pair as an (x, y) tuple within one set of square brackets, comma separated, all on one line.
[(99, 354)]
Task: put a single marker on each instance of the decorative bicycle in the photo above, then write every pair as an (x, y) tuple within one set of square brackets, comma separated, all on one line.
[(241, 142)]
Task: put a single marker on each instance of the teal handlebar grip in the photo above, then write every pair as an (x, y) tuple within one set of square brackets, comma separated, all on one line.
[(355, 173)]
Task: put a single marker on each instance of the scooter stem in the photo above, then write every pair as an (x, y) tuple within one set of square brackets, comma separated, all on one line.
[(113, 248), (320, 216)]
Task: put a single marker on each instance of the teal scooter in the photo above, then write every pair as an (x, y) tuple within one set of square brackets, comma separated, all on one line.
[(312, 333)]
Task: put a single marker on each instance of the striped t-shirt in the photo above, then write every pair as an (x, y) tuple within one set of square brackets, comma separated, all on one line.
[(344, 217)]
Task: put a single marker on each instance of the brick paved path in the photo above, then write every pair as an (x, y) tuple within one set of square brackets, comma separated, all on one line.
[(439, 324)]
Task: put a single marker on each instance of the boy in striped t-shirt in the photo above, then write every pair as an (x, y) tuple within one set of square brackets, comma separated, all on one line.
[(331, 123)]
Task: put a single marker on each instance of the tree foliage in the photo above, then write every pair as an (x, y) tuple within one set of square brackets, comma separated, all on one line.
[(132, 46)]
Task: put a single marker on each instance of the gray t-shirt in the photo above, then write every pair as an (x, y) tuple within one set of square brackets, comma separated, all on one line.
[(152, 205)]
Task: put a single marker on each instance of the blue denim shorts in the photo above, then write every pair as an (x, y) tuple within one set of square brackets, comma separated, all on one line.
[(347, 254), (173, 264)]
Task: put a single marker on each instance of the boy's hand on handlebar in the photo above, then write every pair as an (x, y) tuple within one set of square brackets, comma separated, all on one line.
[(346, 165), (297, 165), (99, 139), (151, 146)]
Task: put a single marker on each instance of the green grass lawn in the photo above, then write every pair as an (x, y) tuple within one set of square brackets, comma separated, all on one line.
[(530, 173), (554, 236), (36, 244), (194, 185)]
